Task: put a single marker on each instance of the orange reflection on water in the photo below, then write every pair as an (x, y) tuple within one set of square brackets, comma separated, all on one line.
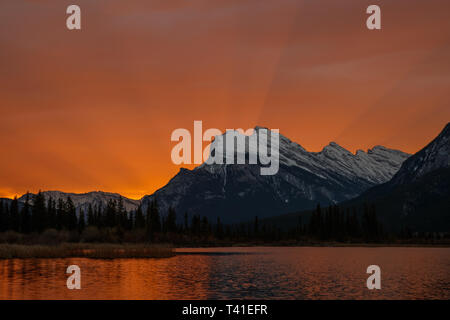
[(238, 273)]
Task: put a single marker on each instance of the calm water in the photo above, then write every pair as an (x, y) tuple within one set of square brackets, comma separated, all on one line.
[(238, 273)]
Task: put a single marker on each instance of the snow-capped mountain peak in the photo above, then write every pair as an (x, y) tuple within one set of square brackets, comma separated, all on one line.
[(303, 180)]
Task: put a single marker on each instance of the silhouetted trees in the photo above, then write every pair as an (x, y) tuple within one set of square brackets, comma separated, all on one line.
[(333, 223), (153, 222), (139, 221), (170, 224), (4, 216), (39, 220), (81, 221), (14, 222), (219, 229), (25, 216), (91, 217), (70, 215)]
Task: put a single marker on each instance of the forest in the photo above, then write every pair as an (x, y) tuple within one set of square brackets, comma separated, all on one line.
[(40, 220)]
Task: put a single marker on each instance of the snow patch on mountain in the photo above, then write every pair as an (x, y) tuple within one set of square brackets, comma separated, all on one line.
[(82, 200), (234, 191)]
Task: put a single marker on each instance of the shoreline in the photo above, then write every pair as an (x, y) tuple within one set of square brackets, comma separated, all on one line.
[(159, 251), (85, 250), (318, 245)]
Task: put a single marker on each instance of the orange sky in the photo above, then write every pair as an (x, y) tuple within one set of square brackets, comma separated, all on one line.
[(94, 109)]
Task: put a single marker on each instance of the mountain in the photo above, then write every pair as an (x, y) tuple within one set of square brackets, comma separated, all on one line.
[(418, 196), (82, 200), (432, 157), (237, 192)]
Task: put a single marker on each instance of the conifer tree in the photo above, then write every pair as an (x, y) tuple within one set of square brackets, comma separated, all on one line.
[(315, 222), (122, 217), (3, 217), (51, 213), (153, 219), (91, 217), (81, 220), (205, 228), (25, 216), (139, 220), (171, 221), (99, 217), (71, 212), (14, 215), (186, 222), (219, 229), (111, 214), (61, 214), (196, 224), (38, 213)]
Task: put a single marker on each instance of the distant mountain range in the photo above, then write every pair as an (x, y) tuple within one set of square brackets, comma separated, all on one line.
[(83, 200), (416, 198), (237, 192), (411, 191)]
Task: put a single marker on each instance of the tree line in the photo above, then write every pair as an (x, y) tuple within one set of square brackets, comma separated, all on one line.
[(335, 223), (37, 214)]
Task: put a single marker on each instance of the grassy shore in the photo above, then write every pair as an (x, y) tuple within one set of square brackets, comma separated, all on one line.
[(88, 250), (117, 251)]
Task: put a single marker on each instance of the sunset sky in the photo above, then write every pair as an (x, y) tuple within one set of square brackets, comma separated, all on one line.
[(94, 109)]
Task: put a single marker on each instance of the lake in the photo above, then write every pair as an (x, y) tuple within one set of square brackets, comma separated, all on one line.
[(238, 273)]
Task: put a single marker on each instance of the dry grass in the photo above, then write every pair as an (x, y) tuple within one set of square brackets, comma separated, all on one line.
[(78, 250)]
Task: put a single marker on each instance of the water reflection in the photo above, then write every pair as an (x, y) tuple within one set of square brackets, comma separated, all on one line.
[(238, 273)]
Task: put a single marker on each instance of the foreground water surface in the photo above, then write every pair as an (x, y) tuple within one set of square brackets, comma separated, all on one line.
[(238, 273)]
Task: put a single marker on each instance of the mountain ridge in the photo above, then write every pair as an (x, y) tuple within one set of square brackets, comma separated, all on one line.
[(304, 178), (416, 198), (83, 200), (331, 175)]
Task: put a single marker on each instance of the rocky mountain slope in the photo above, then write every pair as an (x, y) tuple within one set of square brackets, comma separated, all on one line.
[(237, 192), (417, 197)]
